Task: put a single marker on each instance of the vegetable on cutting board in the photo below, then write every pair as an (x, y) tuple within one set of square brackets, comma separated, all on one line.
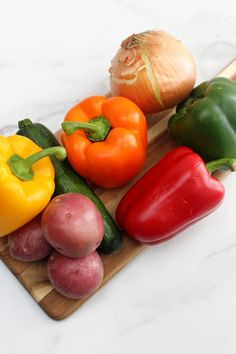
[(177, 191), (75, 278), (66, 181), (154, 70), (72, 224), (106, 140), (28, 244), (206, 120), (26, 180)]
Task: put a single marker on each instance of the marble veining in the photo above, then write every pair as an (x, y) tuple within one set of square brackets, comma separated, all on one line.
[(219, 252)]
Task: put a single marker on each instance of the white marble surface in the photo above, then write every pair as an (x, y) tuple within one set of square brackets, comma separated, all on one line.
[(178, 297)]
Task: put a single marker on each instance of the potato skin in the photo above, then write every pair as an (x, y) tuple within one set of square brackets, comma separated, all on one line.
[(28, 243), (72, 224), (75, 278)]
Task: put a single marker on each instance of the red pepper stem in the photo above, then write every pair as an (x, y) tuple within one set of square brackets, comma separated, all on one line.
[(221, 163), (96, 129), (21, 167)]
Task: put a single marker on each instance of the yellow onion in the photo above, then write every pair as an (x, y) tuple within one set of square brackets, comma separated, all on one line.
[(154, 70)]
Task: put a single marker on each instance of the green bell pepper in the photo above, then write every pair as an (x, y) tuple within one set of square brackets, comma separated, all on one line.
[(206, 120)]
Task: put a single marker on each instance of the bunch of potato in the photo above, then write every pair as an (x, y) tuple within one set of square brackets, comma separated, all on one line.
[(69, 230)]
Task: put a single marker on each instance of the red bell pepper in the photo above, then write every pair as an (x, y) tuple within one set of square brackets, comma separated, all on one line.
[(176, 192)]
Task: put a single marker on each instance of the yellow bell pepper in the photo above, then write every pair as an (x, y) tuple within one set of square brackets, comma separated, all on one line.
[(26, 180)]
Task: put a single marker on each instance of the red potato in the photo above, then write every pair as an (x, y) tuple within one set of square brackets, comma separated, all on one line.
[(72, 224), (28, 243), (75, 278)]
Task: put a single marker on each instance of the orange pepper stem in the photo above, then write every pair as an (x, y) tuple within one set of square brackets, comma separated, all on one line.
[(21, 167), (221, 163), (96, 129)]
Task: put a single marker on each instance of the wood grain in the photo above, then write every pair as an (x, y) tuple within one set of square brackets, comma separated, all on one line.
[(33, 276)]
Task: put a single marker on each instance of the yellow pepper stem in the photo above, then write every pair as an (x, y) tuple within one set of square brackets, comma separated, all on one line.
[(21, 167)]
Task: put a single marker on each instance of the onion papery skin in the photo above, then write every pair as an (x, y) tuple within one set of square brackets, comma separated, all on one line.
[(154, 70)]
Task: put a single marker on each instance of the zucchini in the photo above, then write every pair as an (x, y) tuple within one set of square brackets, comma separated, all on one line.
[(68, 181)]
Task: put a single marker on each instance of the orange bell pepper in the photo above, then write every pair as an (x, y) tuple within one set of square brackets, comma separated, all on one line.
[(105, 139)]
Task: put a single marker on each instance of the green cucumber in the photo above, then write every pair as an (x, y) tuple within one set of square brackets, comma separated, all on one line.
[(68, 181)]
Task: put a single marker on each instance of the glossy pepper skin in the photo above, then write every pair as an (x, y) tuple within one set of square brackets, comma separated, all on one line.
[(23, 198), (117, 156), (177, 191), (206, 120)]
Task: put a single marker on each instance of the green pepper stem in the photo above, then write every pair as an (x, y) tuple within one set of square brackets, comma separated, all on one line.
[(96, 129), (221, 163), (21, 167)]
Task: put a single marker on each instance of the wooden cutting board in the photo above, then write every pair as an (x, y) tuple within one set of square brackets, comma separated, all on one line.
[(33, 276)]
